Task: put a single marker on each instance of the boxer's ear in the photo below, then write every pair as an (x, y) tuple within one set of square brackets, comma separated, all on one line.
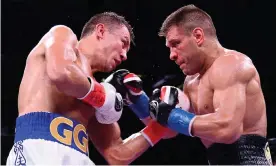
[(100, 30), (198, 35)]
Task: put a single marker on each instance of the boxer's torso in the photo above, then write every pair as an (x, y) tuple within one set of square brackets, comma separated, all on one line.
[(38, 93), (201, 94)]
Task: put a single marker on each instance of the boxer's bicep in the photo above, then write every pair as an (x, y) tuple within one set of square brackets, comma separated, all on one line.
[(103, 136), (226, 123), (230, 104), (230, 92), (59, 49), (186, 92), (107, 140), (230, 98)]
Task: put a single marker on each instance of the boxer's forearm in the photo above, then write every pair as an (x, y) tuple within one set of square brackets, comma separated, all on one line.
[(61, 65), (215, 128), (72, 81), (61, 61), (128, 150)]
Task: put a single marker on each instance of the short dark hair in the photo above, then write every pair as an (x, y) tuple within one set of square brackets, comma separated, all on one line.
[(189, 17), (110, 19)]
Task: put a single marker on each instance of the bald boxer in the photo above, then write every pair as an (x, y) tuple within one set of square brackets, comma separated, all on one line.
[(228, 110), (61, 105)]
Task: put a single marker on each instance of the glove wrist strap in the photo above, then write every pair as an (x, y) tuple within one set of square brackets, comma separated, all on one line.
[(96, 94), (181, 121), (153, 132)]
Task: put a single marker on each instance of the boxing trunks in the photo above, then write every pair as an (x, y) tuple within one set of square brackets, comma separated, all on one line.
[(43, 138), (247, 150)]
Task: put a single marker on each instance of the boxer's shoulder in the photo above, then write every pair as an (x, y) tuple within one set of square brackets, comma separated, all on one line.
[(60, 29), (230, 60), (55, 33), (232, 66), (60, 33)]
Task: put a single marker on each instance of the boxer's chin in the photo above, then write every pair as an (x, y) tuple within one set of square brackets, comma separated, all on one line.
[(188, 72), (108, 68), (111, 66)]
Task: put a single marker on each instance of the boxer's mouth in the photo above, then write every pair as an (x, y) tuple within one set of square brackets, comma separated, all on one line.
[(180, 63)]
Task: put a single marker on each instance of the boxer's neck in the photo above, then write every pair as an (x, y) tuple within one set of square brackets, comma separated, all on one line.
[(83, 63), (91, 52), (212, 51)]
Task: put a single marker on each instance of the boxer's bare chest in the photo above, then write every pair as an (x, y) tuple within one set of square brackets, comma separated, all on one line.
[(79, 111), (200, 94)]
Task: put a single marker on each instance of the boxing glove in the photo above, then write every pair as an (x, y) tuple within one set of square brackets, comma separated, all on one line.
[(107, 102), (168, 108), (129, 85)]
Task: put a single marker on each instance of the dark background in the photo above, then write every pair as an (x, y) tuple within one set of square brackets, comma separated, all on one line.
[(244, 25)]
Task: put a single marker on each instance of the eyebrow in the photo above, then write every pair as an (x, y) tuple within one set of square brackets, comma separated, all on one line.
[(170, 41)]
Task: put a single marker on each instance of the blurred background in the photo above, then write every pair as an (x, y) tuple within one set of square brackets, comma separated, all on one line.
[(243, 25)]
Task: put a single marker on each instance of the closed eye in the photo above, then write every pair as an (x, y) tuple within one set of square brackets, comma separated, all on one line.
[(124, 43)]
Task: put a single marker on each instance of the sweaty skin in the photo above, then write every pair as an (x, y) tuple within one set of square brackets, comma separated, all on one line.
[(55, 75), (223, 87), (229, 98)]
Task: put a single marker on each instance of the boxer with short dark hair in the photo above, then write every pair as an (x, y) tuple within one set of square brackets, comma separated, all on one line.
[(61, 105), (228, 110)]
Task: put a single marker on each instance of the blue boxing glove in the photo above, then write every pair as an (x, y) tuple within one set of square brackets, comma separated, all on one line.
[(181, 121), (129, 85), (168, 108)]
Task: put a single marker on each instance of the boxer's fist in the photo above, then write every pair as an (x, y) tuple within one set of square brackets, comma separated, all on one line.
[(166, 99), (111, 111), (129, 85), (162, 102), (104, 98), (170, 109)]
